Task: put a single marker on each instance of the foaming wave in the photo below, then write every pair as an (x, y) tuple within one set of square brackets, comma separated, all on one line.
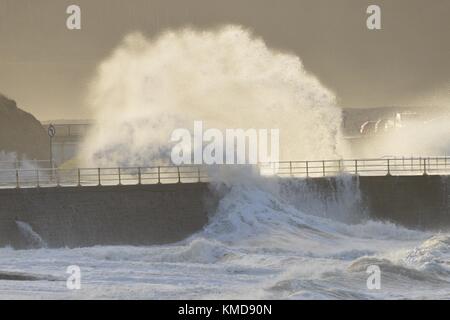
[(396, 270), (252, 218), (249, 210), (432, 255), (249, 213), (198, 250), (227, 77)]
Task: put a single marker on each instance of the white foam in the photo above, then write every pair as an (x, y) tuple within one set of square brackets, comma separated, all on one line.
[(226, 77), (32, 238)]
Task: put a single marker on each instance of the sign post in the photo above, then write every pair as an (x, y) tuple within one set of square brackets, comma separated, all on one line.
[(51, 133)]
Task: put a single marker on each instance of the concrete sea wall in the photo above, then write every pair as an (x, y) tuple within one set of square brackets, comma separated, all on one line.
[(157, 214), (418, 202), (86, 216)]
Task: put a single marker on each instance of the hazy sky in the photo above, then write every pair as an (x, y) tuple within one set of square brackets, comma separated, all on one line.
[(47, 68)]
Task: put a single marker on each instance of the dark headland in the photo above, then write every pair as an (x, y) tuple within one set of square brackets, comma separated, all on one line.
[(21, 133)]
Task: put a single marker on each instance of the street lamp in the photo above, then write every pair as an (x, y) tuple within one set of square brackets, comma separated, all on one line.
[(51, 133)]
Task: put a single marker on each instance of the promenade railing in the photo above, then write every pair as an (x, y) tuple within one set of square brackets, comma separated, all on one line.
[(25, 177), (368, 167), (44, 177)]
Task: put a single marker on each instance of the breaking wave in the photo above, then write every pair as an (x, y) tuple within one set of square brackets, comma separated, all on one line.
[(226, 77)]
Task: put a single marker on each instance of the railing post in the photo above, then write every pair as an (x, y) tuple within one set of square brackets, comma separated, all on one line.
[(98, 175), (388, 167), (120, 177), (323, 168), (179, 175), (307, 169), (139, 176), (290, 168), (79, 177), (198, 172), (424, 166), (37, 178), (159, 174), (57, 177), (17, 179), (356, 167)]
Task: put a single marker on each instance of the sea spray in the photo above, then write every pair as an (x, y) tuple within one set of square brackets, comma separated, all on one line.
[(10, 162), (416, 138), (225, 77), (338, 198), (32, 238)]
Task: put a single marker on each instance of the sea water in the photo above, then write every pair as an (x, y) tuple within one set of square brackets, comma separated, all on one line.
[(257, 245)]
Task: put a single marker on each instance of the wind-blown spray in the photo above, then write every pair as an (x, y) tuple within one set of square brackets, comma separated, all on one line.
[(226, 78)]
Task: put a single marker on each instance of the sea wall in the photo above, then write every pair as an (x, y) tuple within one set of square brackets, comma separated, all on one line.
[(157, 214), (86, 216), (419, 202), (415, 201)]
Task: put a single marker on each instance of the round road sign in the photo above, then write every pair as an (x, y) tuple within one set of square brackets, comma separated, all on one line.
[(51, 131)]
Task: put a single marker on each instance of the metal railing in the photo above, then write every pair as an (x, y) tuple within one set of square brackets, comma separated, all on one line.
[(368, 167), (29, 178), (46, 177)]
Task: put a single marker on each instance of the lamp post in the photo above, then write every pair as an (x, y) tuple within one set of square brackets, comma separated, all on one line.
[(51, 133)]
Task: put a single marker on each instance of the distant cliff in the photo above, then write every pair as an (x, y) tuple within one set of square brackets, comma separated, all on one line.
[(21, 132)]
